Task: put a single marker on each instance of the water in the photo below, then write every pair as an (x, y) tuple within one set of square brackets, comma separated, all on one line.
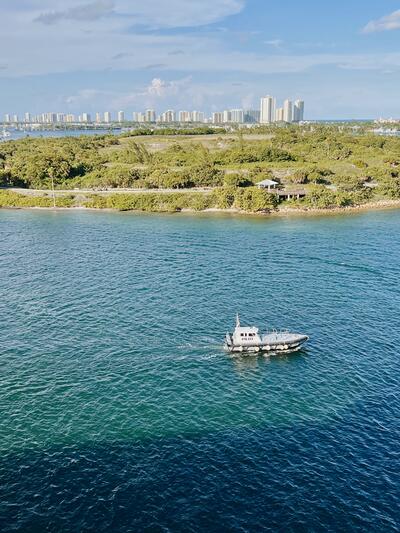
[(16, 135), (120, 412)]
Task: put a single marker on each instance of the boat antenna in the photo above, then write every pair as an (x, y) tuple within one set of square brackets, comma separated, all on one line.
[(237, 320)]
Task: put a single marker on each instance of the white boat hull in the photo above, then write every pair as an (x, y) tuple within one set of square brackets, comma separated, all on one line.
[(273, 343)]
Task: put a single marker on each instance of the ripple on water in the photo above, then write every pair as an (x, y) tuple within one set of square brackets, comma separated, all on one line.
[(119, 411)]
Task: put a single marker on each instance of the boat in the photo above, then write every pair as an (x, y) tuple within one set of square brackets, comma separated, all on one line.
[(249, 340)]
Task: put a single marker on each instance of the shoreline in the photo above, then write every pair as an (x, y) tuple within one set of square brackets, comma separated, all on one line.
[(285, 212)]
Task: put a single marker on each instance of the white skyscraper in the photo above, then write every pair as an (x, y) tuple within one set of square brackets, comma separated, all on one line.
[(197, 116), (121, 116), (267, 110), (279, 114), (28, 118), (107, 117), (184, 116), (217, 118), (169, 116), (227, 117), (287, 111), (237, 116), (150, 115), (86, 118), (298, 111)]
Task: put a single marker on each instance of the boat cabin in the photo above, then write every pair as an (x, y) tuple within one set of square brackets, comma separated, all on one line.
[(245, 335)]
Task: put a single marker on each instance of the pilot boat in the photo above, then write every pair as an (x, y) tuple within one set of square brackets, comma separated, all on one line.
[(248, 339)]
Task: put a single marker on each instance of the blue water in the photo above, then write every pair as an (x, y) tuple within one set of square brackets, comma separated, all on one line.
[(120, 412), (16, 135)]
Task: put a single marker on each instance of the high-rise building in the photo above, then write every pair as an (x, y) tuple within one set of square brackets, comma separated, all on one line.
[(98, 118), (237, 116), (251, 116), (279, 114), (70, 118), (86, 118), (141, 117), (28, 118), (227, 116), (184, 116), (267, 109), (121, 116), (60, 117), (298, 111), (287, 111), (217, 118), (7, 118), (150, 115), (15, 118), (107, 117), (196, 116), (168, 117)]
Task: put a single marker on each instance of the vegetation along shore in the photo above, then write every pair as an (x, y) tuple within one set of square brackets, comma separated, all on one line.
[(304, 168)]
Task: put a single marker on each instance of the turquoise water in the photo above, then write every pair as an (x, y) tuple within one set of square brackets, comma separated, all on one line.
[(119, 411)]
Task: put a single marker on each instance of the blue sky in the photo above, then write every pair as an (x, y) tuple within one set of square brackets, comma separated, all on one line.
[(341, 57)]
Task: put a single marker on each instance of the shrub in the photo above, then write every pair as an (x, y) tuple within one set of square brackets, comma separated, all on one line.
[(253, 199)]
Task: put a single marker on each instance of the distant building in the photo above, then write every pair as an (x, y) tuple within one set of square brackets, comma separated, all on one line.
[(184, 116), (267, 110), (15, 118), (226, 116), (217, 118), (251, 116), (298, 111), (287, 111), (107, 117), (86, 118), (237, 116), (98, 118), (150, 115), (7, 118), (168, 117), (121, 116), (197, 116), (279, 114), (28, 118)]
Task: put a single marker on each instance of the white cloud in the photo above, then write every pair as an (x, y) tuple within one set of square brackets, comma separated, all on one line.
[(153, 13), (275, 43), (387, 23), (85, 12)]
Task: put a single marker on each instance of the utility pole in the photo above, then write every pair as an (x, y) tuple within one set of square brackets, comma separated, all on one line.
[(54, 194)]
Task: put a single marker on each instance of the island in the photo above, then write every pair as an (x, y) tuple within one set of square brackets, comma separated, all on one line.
[(269, 169)]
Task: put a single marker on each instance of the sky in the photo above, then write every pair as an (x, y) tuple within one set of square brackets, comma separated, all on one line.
[(341, 57)]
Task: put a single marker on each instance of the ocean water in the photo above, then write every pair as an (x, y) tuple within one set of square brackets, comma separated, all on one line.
[(16, 135), (119, 410)]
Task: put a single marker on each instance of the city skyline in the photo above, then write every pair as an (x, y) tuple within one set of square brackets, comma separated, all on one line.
[(267, 113), (119, 54)]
